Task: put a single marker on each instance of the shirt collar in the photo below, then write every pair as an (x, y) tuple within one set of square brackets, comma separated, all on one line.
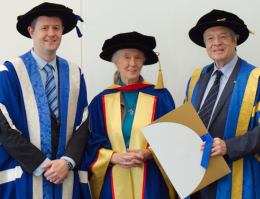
[(227, 68), (41, 62)]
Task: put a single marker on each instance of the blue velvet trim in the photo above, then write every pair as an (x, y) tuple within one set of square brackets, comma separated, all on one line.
[(47, 188), (41, 101), (44, 112), (64, 90), (207, 150), (82, 101), (225, 184)]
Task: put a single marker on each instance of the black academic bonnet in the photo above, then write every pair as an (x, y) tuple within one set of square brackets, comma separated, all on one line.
[(218, 18), (135, 40), (69, 19)]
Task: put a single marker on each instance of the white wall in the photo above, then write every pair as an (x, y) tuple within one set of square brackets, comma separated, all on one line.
[(168, 20)]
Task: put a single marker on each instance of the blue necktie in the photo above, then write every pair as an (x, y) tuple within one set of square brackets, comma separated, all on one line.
[(207, 108), (51, 91)]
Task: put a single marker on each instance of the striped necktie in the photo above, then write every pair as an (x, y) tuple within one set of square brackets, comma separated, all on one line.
[(51, 91), (208, 105)]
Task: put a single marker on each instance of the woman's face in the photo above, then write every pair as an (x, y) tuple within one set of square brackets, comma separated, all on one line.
[(129, 63)]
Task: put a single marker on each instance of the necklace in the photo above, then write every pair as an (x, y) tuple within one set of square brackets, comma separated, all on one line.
[(130, 99), (131, 111)]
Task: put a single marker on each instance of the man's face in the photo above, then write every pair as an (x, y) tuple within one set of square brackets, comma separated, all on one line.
[(46, 34), (220, 44)]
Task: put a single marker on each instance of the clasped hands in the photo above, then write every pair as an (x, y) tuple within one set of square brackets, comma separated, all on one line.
[(56, 171), (131, 158)]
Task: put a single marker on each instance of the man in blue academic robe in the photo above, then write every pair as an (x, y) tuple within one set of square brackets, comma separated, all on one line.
[(226, 95), (43, 113)]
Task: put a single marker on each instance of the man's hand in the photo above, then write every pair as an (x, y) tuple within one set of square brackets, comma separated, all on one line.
[(219, 147), (56, 171)]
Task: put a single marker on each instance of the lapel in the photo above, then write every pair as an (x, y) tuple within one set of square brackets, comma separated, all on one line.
[(203, 82), (226, 92)]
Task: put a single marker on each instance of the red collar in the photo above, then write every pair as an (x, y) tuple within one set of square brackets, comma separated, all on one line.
[(132, 87)]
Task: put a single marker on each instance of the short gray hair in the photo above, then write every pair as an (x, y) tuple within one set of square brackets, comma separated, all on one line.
[(234, 35), (116, 55)]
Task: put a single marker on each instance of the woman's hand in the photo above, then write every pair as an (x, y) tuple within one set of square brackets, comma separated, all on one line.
[(144, 154), (131, 158)]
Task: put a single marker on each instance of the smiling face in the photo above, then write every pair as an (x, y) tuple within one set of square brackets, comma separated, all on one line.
[(129, 63), (221, 43), (46, 33)]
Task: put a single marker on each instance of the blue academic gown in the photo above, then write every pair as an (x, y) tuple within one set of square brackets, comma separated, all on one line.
[(242, 112), (24, 104), (105, 114)]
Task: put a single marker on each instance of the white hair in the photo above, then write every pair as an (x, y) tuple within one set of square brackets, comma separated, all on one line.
[(234, 35), (117, 54)]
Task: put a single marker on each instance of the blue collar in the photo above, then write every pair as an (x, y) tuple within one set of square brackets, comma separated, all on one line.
[(41, 62)]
